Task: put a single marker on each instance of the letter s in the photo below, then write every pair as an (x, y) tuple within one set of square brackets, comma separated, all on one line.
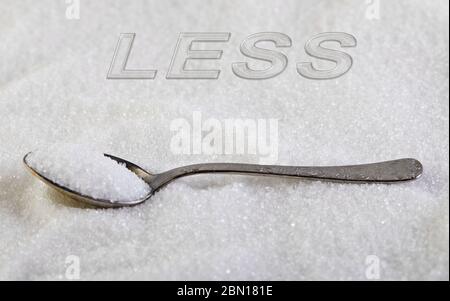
[(277, 60), (314, 48)]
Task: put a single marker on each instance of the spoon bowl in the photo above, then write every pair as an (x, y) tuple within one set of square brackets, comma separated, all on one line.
[(140, 172), (387, 172)]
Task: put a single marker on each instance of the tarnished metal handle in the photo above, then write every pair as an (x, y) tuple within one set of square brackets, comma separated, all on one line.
[(382, 172)]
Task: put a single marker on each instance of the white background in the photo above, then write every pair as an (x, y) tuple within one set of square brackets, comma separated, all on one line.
[(393, 103)]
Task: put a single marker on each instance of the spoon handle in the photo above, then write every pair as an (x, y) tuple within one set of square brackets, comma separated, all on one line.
[(382, 172)]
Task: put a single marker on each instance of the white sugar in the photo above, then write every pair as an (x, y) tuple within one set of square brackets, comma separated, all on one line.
[(393, 103), (88, 172)]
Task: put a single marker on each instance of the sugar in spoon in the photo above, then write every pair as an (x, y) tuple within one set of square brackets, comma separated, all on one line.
[(394, 171)]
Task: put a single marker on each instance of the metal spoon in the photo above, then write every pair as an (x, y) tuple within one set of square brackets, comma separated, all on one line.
[(383, 172)]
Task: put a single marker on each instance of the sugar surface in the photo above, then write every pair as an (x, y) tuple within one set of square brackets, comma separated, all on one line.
[(88, 172), (393, 103)]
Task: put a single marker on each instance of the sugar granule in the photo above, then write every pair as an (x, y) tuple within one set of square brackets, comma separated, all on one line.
[(88, 172)]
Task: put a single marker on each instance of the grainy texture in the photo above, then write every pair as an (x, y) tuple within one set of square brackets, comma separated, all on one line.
[(87, 172), (393, 103)]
